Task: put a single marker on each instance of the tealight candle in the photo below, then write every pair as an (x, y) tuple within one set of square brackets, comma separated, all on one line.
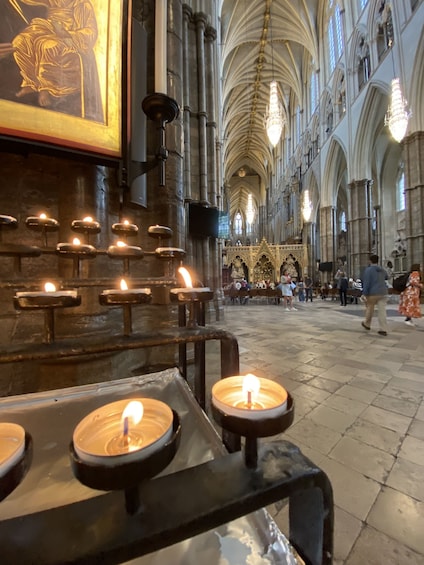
[(124, 251), (123, 431), (160, 232), (42, 223), (190, 293), (124, 228), (76, 248), (8, 221), (12, 446), (87, 224), (249, 397), (124, 295), (169, 253), (47, 298)]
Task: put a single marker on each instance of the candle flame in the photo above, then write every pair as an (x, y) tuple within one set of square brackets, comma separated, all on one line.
[(49, 287), (123, 284), (133, 411), (87, 219), (121, 243), (43, 216), (126, 222), (186, 276), (76, 241), (250, 387)]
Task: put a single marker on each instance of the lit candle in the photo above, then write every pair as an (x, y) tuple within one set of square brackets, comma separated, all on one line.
[(12, 446), (87, 225), (47, 298), (190, 294), (122, 250), (123, 431), (160, 232), (125, 295), (161, 46), (125, 228), (76, 248), (249, 397), (42, 222)]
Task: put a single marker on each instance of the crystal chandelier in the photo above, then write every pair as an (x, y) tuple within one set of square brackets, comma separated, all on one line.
[(274, 121), (397, 115)]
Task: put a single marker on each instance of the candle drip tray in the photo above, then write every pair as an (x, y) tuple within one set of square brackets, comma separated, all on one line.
[(14, 476), (204, 501)]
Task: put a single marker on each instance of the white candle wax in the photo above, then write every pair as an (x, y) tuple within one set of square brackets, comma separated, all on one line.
[(127, 292), (12, 446), (229, 397), (99, 437), (42, 293), (161, 46)]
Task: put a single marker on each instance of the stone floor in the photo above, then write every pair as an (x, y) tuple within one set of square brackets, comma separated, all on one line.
[(359, 416)]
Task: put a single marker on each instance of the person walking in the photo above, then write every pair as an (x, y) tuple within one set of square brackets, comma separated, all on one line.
[(410, 298), (374, 289), (343, 285)]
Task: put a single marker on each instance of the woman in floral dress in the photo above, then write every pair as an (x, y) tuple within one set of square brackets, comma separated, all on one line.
[(410, 298)]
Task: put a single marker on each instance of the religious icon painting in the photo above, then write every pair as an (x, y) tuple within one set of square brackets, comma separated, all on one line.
[(61, 68)]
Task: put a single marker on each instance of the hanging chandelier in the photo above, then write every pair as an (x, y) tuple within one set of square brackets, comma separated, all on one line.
[(397, 115), (274, 121)]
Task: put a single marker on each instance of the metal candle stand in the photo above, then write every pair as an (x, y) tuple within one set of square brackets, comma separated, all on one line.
[(127, 476), (14, 476), (17, 251), (43, 225), (48, 303), (77, 253), (126, 300), (251, 430)]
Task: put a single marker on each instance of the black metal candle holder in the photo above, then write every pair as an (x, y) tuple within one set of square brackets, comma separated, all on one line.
[(126, 253), (127, 476), (14, 476), (77, 253), (48, 302), (160, 233), (125, 230), (7, 223), (42, 225), (252, 429), (126, 299), (86, 227), (193, 298)]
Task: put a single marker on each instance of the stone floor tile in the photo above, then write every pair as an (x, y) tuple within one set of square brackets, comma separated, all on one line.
[(417, 429), (325, 384), (345, 405), (375, 548), (387, 419), (313, 393), (407, 477), (420, 412), (412, 449), (356, 393), (319, 437), (400, 517), (368, 460), (395, 405), (358, 499), (376, 436), (368, 384), (346, 530), (333, 419)]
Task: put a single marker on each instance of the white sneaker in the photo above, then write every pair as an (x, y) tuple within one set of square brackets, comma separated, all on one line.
[(293, 308), (409, 323), (287, 309)]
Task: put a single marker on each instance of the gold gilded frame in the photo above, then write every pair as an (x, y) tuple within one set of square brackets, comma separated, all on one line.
[(31, 123)]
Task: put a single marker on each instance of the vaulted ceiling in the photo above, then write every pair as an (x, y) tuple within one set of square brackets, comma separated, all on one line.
[(262, 40)]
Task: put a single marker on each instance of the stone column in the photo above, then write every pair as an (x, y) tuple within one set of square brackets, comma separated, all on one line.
[(414, 196), (360, 226), (201, 20), (327, 237), (187, 15), (210, 37)]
